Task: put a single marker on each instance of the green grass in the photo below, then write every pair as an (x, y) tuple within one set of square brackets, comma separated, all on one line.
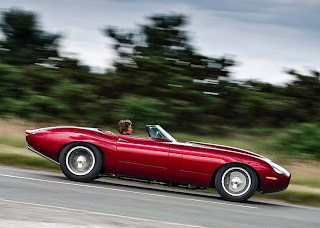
[(19, 142), (27, 162), (300, 198), (306, 182)]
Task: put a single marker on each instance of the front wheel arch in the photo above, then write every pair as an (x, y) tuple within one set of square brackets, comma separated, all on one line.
[(224, 168), (213, 177)]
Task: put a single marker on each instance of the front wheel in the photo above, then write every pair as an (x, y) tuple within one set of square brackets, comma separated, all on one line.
[(80, 162), (236, 182)]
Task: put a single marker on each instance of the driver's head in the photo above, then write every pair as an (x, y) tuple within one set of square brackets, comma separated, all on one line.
[(125, 127)]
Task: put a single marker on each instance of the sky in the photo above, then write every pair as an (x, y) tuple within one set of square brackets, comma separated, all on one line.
[(264, 37)]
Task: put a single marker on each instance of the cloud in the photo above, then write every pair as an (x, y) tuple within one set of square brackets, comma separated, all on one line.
[(265, 36)]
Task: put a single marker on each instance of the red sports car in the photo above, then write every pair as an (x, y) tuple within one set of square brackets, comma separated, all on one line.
[(86, 153)]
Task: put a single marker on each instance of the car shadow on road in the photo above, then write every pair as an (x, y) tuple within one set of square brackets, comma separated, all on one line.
[(180, 190), (160, 187)]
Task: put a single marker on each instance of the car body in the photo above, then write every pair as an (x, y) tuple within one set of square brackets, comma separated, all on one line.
[(85, 153)]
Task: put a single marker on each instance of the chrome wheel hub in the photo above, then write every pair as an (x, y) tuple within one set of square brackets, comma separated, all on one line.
[(236, 181), (80, 160)]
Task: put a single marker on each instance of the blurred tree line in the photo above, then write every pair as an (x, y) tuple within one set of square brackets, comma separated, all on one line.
[(158, 78)]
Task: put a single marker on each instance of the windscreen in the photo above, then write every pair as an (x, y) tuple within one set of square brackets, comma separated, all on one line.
[(157, 132)]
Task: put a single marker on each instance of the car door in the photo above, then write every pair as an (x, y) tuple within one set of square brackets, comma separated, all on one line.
[(141, 157)]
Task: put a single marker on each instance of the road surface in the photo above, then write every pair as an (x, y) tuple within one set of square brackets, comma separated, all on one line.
[(42, 199)]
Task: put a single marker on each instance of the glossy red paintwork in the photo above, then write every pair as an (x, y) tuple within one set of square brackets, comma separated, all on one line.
[(185, 163)]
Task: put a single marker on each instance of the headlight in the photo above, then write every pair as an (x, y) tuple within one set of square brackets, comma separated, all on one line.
[(278, 169)]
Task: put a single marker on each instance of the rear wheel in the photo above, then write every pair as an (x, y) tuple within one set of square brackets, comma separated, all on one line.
[(80, 162), (236, 182)]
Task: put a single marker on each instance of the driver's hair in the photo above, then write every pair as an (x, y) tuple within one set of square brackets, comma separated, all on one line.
[(123, 125)]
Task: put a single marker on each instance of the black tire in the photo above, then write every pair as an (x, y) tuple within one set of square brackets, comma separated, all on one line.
[(80, 162), (236, 182)]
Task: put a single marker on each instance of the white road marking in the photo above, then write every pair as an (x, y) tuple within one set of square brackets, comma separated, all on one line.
[(100, 213), (120, 190)]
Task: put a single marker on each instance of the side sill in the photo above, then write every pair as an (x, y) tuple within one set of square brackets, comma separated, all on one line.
[(37, 152)]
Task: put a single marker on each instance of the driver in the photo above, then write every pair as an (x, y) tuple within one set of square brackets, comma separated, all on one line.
[(125, 127)]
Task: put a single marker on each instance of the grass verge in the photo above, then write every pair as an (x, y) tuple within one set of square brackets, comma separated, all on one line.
[(27, 162), (300, 198), (19, 142), (306, 182)]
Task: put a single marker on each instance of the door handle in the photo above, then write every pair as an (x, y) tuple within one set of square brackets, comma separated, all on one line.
[(122, 140)]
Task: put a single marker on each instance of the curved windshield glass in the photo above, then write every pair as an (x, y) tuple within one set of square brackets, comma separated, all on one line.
[(157, 132)]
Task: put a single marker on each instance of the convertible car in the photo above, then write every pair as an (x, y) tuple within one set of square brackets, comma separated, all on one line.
[(84, 154)]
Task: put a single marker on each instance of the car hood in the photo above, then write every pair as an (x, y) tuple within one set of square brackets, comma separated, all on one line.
[(225, 148)]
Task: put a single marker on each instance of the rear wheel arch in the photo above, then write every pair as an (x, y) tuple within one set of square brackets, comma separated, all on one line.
[(85, 143), (62, 147)]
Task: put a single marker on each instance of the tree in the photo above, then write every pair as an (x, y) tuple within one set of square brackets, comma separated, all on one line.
[(306, 89), (158, 62), (12, 90), (25, 43)]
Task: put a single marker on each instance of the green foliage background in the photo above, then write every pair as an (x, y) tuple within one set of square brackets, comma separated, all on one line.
[(300, 140), (158, 78)]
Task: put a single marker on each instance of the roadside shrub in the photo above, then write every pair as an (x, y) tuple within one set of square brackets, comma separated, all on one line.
[(302, 139), (143, 110)]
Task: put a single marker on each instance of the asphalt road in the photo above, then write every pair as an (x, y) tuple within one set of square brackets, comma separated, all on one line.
[(42, 199)]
